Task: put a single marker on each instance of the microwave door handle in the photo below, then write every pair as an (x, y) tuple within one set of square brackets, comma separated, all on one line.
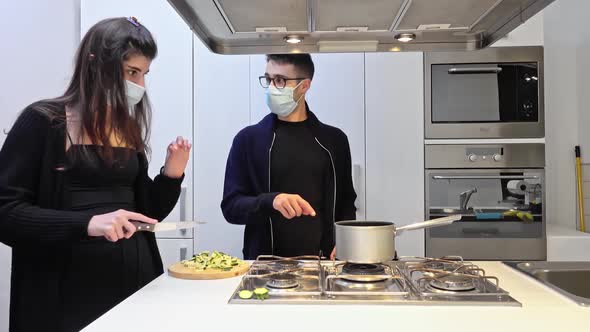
[(476, 177), (474, 70)]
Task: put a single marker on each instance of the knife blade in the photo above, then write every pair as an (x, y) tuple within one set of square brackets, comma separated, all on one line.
[(165, 226)]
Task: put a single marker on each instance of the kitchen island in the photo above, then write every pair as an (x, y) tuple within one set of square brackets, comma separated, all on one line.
[(169, 304)]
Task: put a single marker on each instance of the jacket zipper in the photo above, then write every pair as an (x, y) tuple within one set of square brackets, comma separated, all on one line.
[(272, 240), (334, 173)]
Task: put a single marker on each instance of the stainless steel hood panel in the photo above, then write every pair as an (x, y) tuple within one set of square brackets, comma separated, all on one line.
[(260, 26)]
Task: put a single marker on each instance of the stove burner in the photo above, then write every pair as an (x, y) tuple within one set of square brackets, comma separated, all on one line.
[(363, 273), (283, 281), (284, 264), (363, 269), (453, 283), (258, 271), (346, 284), (434, 265), (307, 272)]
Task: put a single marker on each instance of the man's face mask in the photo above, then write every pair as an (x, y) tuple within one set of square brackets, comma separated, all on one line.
[(281, 101)]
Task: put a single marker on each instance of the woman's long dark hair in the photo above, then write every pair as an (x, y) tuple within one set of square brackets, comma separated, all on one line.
[(98, 83)]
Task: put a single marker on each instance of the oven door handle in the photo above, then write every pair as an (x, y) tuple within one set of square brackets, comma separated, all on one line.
[(475, 177), (496, 70)]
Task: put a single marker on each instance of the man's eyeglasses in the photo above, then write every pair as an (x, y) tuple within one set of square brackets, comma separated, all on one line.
[(278, 82)]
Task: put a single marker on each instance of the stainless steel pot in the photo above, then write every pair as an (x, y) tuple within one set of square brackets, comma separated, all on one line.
[(374, 241)]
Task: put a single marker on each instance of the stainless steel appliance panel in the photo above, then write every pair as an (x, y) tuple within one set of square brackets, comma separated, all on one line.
[(484, 156), (492, 93), (503, 206)]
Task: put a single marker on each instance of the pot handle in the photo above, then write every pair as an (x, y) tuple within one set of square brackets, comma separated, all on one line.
[(429, 223)]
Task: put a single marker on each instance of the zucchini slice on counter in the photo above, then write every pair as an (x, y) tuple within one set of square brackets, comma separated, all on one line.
[(245, 294), (261, 293)]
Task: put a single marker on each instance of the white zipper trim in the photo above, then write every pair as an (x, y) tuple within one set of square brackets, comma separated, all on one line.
[(272, 240), (334, 173)]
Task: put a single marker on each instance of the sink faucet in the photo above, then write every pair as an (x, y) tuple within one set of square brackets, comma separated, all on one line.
[(464, 198)]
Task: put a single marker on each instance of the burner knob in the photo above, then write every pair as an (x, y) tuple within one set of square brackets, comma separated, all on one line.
[(472, 157), (497, 157)]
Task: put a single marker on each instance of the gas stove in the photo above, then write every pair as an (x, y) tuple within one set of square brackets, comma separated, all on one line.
[(406, 281)]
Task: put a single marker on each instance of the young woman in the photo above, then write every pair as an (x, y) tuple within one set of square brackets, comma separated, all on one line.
[(73, 174)]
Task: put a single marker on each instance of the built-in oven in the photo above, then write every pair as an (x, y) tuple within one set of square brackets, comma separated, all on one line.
[(492, 93), (499, 190)]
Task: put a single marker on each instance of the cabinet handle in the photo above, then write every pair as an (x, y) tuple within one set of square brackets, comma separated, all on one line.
[(356, 183), (183, 208), (475, 177), (183, 252), (475, 70)]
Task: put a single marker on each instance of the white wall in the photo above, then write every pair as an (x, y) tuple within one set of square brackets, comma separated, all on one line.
[(567, 70), (530, 33), (39, 39)]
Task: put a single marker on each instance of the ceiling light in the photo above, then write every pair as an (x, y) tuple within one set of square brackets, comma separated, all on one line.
[(405, 37), (293, 39), (395, 49)]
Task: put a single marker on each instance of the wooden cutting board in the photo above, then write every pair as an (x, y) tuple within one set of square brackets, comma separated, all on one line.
[(179, 271)]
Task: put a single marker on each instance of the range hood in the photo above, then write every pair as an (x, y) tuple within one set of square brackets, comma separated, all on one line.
[(312, 26)]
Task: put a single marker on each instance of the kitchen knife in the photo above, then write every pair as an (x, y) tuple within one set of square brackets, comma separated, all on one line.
[(165, 226)]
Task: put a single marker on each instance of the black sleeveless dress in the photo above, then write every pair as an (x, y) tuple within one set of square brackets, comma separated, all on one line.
[(100, 274)]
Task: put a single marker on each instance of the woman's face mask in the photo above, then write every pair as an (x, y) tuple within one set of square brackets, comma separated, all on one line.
[(134, 93), (281, 101)]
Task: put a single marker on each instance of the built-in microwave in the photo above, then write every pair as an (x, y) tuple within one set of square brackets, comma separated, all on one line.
[(492, 93)]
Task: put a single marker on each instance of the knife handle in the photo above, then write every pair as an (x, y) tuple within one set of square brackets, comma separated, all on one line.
[(142, 226)]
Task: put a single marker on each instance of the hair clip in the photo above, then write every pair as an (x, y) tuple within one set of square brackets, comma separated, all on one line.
[(91, 56), (133, 20)]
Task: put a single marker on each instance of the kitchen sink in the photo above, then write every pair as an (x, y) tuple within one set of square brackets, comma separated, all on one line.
[(571, 279)]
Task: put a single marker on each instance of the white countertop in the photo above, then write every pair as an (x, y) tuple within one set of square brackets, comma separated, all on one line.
[(567, 244), (169, 304)]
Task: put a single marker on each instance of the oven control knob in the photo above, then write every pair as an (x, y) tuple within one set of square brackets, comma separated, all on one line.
[(472, 157), (497, 157)]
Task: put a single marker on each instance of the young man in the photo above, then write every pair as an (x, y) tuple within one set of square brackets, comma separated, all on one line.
[(288, 178)]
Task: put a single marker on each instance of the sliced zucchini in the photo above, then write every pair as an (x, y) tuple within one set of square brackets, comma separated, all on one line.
[(261, 293), (212, 260), (245, 294)]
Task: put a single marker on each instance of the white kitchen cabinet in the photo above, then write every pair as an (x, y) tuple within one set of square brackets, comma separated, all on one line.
[(258, 108), (222, 109), (337, 97), (567, 77), (395, 143), (6, 120), (5, 270), (174, 250)]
